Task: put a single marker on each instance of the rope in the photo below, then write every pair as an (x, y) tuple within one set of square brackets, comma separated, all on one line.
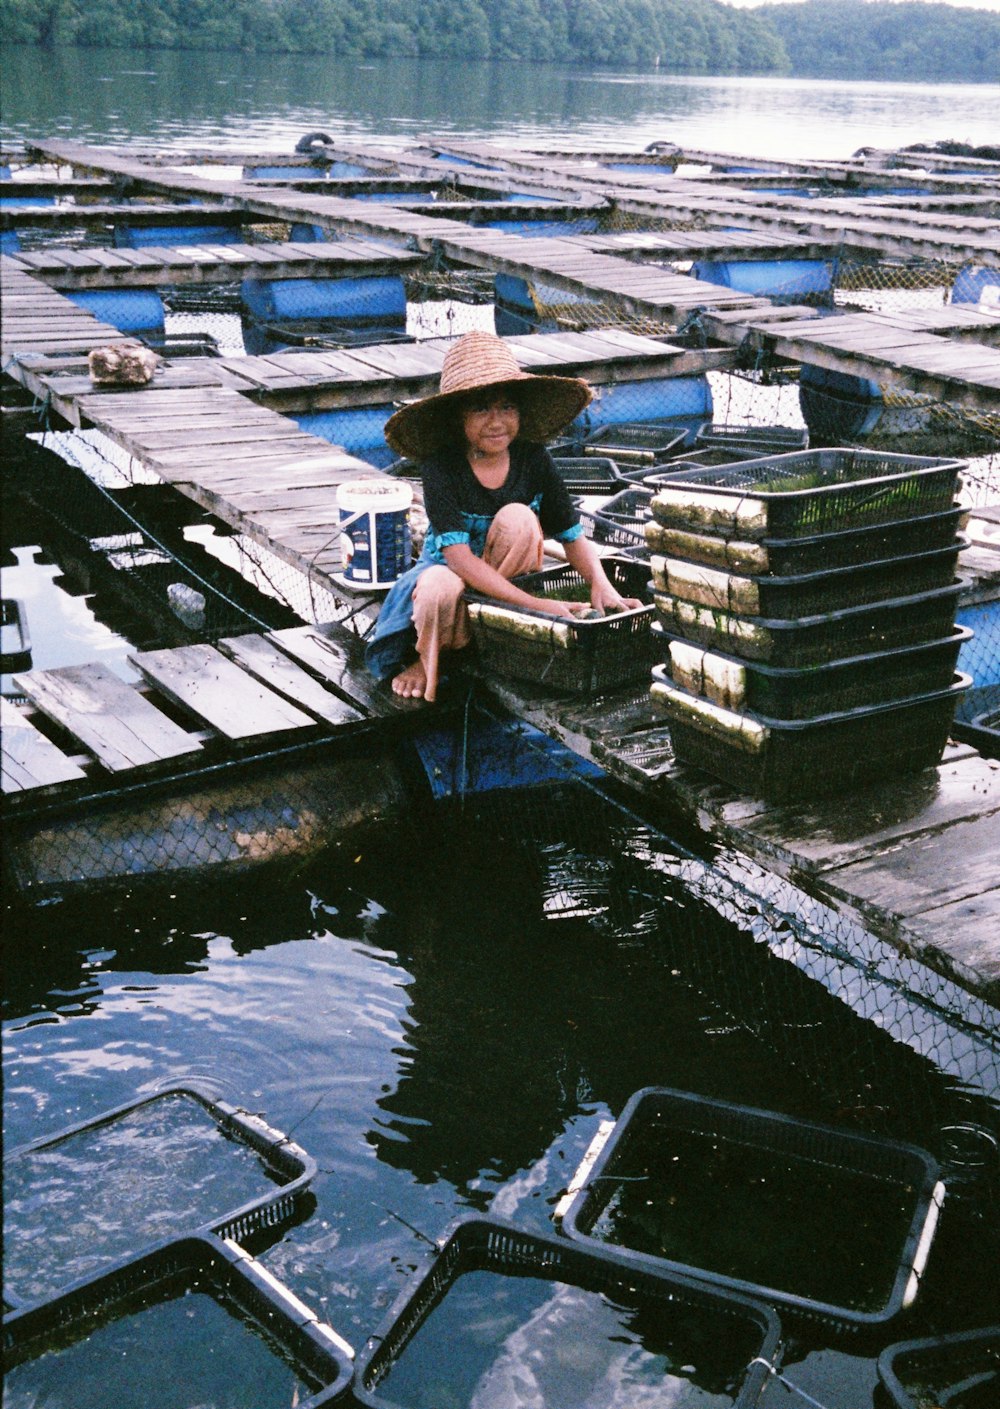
[(783, 1379)]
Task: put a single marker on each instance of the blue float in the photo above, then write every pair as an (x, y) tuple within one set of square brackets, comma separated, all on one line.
[(129, 310), (283, 173), (685, 402), (359, 429), (373, 299), (397, 197), (977, 283), (585, 226), (133, 237), (301, 234), (25, 202), (10, 242), (768, 277)]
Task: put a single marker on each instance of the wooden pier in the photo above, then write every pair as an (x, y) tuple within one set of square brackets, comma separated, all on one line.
[(914, 859)]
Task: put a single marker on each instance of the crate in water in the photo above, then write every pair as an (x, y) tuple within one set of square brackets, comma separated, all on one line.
[(582, 656), (762, 440), (505, 1316), (588, 474), (194, 1321), (957, 1371), (804, 593), (636, 443), (785, 557), (174, 1163), (806, 492), (817, 1221), (812, 640), (783, 692), (621, 521), (794, 760)]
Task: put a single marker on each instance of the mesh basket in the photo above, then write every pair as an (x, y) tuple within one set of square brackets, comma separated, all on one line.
[(621, 521), (281, 1169), (961, 1371), (277, 1335), (805, 493), (759, 439), (787, 556), (806, 593), (588, 474), (703, 1339), (794, 1195), (636, 442), (811, 640), (585, 657), (780, 692), (710, 457), (794, 760)]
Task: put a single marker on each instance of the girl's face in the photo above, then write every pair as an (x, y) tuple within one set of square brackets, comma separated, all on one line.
[(490, 423)]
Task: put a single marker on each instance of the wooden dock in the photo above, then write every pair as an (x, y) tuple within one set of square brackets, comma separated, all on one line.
[(914, 860)]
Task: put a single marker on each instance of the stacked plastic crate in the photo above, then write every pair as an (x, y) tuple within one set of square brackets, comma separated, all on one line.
[(805, 606)]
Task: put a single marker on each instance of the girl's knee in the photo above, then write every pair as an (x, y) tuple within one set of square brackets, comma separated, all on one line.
[(437, 585), (518, 519)]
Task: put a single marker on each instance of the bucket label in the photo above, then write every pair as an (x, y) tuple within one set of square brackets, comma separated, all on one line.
[(376, 545)]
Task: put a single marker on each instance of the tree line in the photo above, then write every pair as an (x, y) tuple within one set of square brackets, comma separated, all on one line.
[(818, 38)]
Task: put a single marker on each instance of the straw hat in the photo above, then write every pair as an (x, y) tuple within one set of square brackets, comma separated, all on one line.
[(476, 362)]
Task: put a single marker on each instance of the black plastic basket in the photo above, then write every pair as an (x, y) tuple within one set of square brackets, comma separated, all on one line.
[(636, 443), (585, 657), (781, 692), (712, 456), (248, 1296), (621, 521), (588, 474), (807, 492), (784, 557), (285, 1173), (806, 593), (761, 440), (794, 760), (670, 1140), (812, 640), (958, 1371), (697, 1322)]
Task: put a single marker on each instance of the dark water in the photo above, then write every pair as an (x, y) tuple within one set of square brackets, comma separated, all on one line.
[(265, 102)]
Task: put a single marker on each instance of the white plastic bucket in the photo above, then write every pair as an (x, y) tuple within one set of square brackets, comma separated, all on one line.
[(374, 517)]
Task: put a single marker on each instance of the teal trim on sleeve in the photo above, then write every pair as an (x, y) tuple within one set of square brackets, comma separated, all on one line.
[(448, 540), (571, 534)]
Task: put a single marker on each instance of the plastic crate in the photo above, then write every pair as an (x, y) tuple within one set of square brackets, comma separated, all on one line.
[(961, 1371), (812, 640), (636, 442), (709, 456), (807, 492), (756, 1202), (806, 593), (555, 1299), (785, 557), (762, 440), (795, 760), (621, 521), (781, 692), (191, 1316), (588, 474), (584, 657), (74, 1170)]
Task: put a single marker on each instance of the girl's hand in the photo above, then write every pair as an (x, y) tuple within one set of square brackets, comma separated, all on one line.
[(604, 598)]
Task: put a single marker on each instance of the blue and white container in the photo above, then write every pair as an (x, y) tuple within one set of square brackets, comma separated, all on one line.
[(375, 524)]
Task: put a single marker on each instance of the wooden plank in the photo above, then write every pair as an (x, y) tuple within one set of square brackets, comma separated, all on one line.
[(29, 760), (214, 689), (338, 658), (276, 669), (114, 721)]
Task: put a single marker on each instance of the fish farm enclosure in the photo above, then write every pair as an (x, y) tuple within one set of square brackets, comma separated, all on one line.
[(565, 1044)]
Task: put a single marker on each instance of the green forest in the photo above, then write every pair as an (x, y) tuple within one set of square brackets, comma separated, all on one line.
[(817, 38)]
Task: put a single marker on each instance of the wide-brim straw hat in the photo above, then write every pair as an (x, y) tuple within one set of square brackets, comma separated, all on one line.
[(477, 362)]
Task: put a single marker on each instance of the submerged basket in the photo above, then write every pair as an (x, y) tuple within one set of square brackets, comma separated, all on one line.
[(785, 557), (587, 474), (717, 1339), (962, 1370), (805, 593), (812, 640), (759, 439), (107, 1336), (636, 443), (805, 493), (654, 1179), (585, 657), (792, 760), (285, 1171), (783, 692)]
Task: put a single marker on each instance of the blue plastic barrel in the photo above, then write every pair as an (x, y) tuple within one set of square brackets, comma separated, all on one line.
[(5, 173), (769, 277), (280, 300), (584, 226), (399, 197), (301, 234), (980, 657), (129, 310), (283, 173), (838, 407), (25, 202), (685, 400), (10, 242), (133, 237), (453, 160), (359, 429), (977, 283)]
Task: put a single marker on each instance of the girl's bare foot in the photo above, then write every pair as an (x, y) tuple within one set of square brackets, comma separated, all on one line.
[(411, 683)]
